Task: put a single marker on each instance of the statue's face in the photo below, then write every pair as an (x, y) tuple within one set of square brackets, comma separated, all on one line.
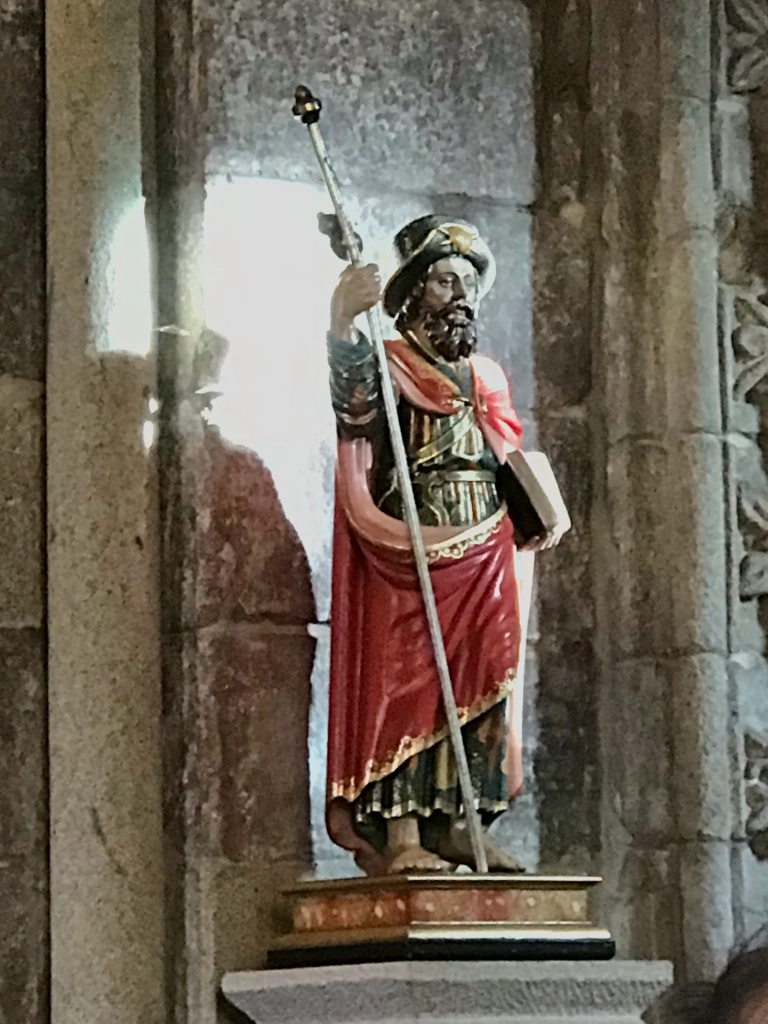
[(450, 280), (445, 309)]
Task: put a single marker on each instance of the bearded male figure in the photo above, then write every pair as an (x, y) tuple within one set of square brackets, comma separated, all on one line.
[(393, 793)]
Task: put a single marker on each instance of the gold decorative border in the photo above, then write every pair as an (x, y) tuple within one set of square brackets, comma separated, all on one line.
[(456, 546), (318, 887), (350, 789)]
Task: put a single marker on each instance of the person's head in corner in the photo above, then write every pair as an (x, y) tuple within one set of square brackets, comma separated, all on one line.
[(738, 996)]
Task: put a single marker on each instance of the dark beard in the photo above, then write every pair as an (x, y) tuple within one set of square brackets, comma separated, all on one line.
[(451, 330)]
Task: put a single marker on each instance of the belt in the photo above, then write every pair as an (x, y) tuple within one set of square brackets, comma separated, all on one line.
[(460, 476)]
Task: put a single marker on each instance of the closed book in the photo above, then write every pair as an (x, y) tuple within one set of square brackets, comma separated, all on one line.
[(535, 504)]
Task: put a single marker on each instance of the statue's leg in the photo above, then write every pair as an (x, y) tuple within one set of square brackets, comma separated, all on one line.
[(448, 835), (404, 846)]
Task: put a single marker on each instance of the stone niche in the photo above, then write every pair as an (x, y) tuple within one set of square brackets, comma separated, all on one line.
[(427, 107)]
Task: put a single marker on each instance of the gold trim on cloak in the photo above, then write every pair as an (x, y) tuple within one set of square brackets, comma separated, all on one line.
[(350, 789), (457, 546)]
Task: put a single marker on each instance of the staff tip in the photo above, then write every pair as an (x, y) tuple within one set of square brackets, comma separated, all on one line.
[(306, 106)]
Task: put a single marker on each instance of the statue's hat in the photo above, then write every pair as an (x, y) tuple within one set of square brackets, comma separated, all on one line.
[(427, 240)]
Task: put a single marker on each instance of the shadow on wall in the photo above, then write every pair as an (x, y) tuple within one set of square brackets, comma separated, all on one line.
[(253, 601)]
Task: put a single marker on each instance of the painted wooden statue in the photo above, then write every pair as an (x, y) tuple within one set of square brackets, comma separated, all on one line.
[(393, 793)]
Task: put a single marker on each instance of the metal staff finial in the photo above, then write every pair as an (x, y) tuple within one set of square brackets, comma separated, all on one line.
[(307, 107)]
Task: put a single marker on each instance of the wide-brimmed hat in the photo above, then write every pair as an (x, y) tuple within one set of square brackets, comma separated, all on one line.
[(427, 240)]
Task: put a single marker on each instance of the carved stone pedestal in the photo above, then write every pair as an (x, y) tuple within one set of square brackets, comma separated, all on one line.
[(618, 992)]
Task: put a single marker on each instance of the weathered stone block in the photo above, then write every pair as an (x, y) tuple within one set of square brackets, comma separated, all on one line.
[(668, 543), (24, 957), (567, 569), (251, 564), (707, 902), (249, 911), (22, 280), (22, 86), (746, 633), (640, 896), (23, 760), (698, 688), (635, 486), (21, 503), (694, 537), (565, 756), (685, 48), (633, 383), (253, 760), (657, 49), (427, 77), (566, 783), (688, 267), (661, 362), (687, 187), (640, 779), (561, 298), (562, 144)]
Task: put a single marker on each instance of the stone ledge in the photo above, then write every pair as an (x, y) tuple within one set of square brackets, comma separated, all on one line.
[(451, 991)]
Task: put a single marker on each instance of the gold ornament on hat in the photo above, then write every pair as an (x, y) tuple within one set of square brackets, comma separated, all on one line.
[(460, 239)]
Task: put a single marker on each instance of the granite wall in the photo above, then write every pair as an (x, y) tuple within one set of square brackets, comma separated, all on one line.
[(24, 946)]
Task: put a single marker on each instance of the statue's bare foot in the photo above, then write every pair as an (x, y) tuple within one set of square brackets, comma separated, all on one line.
[(456, 846), (415, 859)]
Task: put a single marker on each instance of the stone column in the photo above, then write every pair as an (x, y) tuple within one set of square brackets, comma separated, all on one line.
[(23, 726), (661, 565), (626, 232), (661, 562), (105, 699)]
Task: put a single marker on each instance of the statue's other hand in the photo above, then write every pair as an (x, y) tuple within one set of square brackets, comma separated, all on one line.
[(358, 290), (549, 540)]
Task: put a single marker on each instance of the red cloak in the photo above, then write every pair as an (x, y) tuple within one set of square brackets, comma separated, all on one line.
[(384, 702)]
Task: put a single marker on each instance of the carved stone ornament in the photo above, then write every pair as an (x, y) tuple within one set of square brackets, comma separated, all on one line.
[(750, 353), (748, 38), (750, 344), (756, 793)]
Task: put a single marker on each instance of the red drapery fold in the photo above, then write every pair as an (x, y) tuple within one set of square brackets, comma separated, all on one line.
[(385, 703)]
